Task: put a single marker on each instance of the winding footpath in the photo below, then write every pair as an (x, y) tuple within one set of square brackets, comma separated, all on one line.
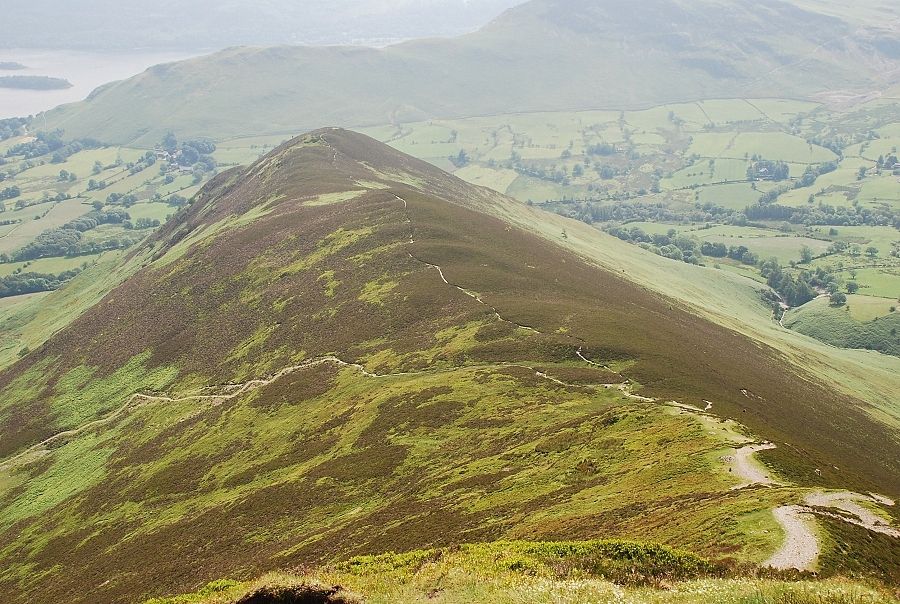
[(748, 469), (800, 549)]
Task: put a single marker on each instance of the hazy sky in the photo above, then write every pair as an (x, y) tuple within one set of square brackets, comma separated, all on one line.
[(212, 24)]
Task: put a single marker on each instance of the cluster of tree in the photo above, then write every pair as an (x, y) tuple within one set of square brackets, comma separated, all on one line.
[(669, 245), (890, 162), (29, 283), (602, 149), (95, 218), (10, 193), (34, 83), (813, 172), (795, 290), (765, 169), (46, 143), (741, 253), (66, 176), (825, 214), (606, 172), (55, 242), (461, 159), (95, 247), (190, 153), (67, 239), (141, 223), (145, 162), (123, 199), (177, 201), (13, 126)]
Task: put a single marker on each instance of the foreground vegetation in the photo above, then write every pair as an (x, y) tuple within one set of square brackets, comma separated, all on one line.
[(538, 573)]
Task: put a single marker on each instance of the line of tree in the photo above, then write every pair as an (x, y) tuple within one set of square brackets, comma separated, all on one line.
[(814, 172), (13, 126), (823, 214), (67, 239), (29, 283), (765, 169), (590, 212), (669, 245), (46, 143)]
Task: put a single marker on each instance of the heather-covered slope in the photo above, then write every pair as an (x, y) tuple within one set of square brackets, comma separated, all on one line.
[(542, 55), (335, 351)]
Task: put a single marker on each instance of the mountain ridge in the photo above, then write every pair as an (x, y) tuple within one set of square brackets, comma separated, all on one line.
[(336, 353), (581, 54)]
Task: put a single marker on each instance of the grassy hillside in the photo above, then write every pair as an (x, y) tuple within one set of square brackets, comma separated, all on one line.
[(839, 327), (580, 54), (336, 352), (516, 572)]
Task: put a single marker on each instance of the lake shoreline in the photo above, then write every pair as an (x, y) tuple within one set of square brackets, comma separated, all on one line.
[(85, 71)]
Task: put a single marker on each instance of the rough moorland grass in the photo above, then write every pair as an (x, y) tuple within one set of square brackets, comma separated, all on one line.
[(470, 444), (540, 573)]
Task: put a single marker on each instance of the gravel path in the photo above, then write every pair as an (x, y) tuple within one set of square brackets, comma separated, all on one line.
[(800, 549), (848, 502), (750, 470)]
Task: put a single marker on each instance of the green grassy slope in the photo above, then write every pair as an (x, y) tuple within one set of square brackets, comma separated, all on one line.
[(838, 327), (516, 572), (310, 388), (579, 54)]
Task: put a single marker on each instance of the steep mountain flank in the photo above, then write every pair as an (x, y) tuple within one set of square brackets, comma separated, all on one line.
[(336, 351)]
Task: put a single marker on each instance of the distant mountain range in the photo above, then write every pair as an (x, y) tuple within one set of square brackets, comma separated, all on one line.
[(540, 56)]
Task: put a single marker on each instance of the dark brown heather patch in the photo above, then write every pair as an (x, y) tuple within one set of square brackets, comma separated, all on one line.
[(424, 408), (295, 388), (371, 463)]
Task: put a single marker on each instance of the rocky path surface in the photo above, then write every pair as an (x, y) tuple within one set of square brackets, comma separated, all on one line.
[(749, 469), (800, 549), (847, 506)]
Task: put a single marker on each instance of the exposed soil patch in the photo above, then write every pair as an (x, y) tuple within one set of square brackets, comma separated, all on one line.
[(300, 594)]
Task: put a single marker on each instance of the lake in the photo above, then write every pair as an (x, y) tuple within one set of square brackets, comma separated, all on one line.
[(86, 71)]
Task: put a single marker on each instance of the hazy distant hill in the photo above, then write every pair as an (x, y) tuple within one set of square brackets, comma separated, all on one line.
[(213, 24), (543, 55)]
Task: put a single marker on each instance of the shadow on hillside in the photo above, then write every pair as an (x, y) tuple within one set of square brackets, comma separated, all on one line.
[(299, 594)]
